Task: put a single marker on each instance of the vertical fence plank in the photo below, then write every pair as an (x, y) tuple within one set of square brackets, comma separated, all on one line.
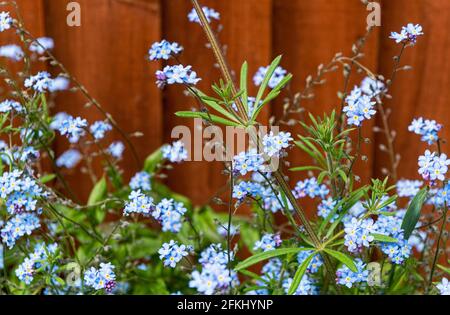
[(309, 33), (108, 53), (247, 36), (422, 91)]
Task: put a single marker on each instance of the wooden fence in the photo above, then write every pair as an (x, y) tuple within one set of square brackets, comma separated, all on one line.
[(108, 51)]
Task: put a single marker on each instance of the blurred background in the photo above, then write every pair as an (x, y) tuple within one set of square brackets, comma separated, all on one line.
[(108, 54)]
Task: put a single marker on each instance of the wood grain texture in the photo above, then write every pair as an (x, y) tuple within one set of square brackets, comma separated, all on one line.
[(422, 91), (108, 54)]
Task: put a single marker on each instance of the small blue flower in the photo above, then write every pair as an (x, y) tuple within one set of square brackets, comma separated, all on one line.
[(69, 159), (171, 253), (163, 50), (444, 287), (99, 128), (116, 149), (12, 52), (175, 153), (268, 242), (138, 203), (140, 181), (408, 34), (40, 82), (210, 14), (73, 128), (102, 278), (41, 44), (276, 78), (176, 75), (5, 21), (250, 161), (274, 145), (349, 278)]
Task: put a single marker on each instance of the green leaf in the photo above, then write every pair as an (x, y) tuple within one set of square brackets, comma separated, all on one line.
[(413, 213), (300, 273), (266, 80), (383, 238), (216, 106), (267, 255), (152, 161), (243, 86), (47, 178), (445, 269), (208, 117), (98, 193), (305, 168), (343, 258)]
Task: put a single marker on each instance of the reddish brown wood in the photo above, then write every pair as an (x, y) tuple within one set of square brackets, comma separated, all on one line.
[(108, 54)]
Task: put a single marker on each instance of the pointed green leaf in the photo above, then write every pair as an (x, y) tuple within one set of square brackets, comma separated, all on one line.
[(300, 273), (413, 213), (343, 258), (267, 255), (208, 117)]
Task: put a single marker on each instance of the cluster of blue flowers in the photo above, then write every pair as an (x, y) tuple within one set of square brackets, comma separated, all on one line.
[(274, 145), (9, 105), (358, 233), (268, 242), (20, 225), (270, 272), (37, 260), (433, 166), (310, 187), (140, 181), (40, 82), (99, 128), (73, 128), (214, 277), (69, 159), (408, 34), (408, 188), (175, 153), (139, 203), (359, 103), (171, 253), (250, 161), (170, 214), (164, 49), (427, 128), (247, 188), (102, 278), (444, 287), (397, 252), (277, 76), (177, 74), (21, 193), (349, 278), (210, 14), (325, 207), (13, 52), (5, 21)]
